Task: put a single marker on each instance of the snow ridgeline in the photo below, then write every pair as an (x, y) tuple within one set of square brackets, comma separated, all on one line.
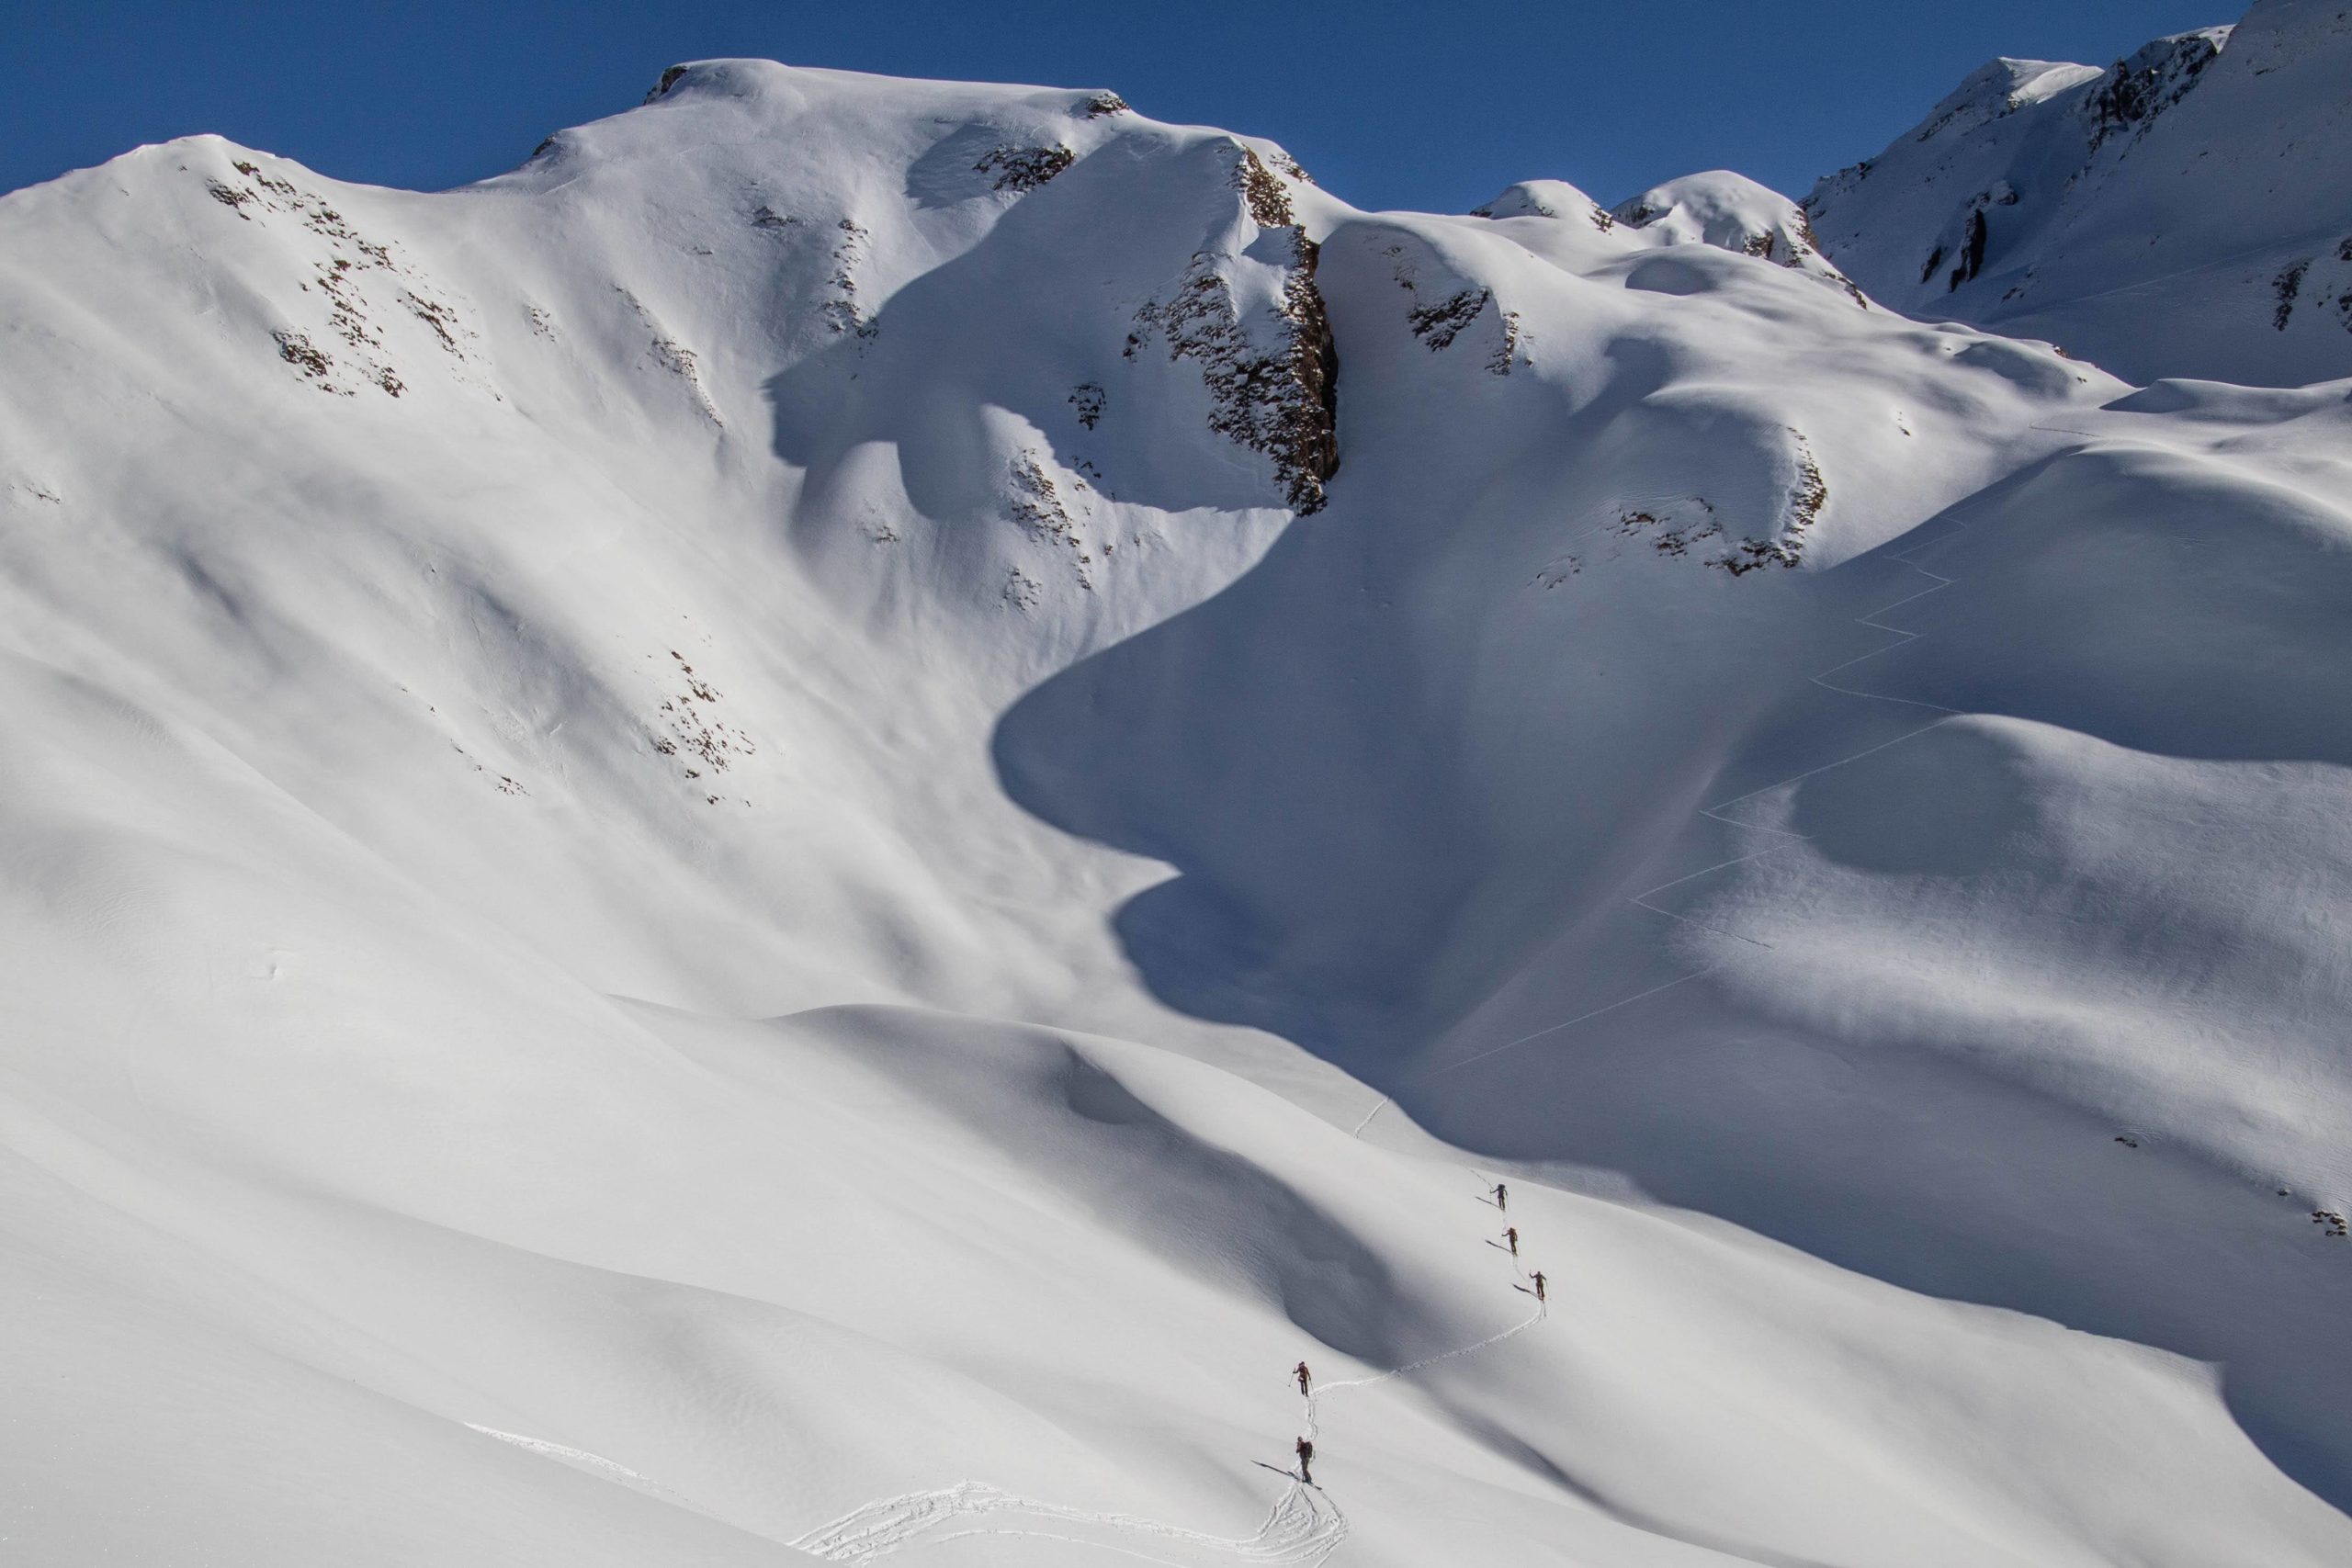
[(2183, 212), (888, 559)]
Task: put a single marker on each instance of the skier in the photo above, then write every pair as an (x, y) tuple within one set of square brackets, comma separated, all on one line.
[(1539, 1284), (1510, 1234), (1300, 1373), (1306, 1458), (1502, 1196)]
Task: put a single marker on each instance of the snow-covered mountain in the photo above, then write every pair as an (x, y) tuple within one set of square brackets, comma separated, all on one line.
[(805, 833), (2186, 211)]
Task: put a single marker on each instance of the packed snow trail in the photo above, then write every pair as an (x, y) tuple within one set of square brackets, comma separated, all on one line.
[(580, 1458), (1385, 1102), (1904, 638), (1642, 900), (1314, 1429), (1301, 1530), (1304, 1527)]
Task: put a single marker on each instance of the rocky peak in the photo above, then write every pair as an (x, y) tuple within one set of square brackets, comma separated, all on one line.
[(2155, 76)]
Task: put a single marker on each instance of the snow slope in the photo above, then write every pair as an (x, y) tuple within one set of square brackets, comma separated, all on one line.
[(801, 835), (2187, 212)]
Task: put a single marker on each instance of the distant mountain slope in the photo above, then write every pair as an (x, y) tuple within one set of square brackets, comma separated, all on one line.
[(2187, 211), (756, 845)]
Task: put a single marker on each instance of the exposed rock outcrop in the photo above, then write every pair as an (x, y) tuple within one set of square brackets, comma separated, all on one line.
[(1272, 376)]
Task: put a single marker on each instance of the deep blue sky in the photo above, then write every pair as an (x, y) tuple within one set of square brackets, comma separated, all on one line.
[(1433, 105)]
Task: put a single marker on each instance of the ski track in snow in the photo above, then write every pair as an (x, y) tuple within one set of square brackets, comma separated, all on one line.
[(1296, 1530), (1300, 1531), (1314, 1426), (1938, 582), (596, 1464), (1642, 900), (1302, 1528)]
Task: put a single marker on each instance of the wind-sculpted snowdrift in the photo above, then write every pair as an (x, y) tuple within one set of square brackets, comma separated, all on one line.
[(1834, 812)]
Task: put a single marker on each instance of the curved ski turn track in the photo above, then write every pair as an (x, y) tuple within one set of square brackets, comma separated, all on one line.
[(1300, 1531), (1301, 1528), (1938, 582), (1304, 1527), (1714, 813)]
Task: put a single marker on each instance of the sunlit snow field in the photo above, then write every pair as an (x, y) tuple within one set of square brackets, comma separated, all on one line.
[(735, 851)]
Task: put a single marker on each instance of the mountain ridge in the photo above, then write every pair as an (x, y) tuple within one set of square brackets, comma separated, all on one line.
[(765, 841), (2176, 214)]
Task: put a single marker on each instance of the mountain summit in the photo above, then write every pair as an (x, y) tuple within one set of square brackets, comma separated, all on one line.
[(2186, 211)]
